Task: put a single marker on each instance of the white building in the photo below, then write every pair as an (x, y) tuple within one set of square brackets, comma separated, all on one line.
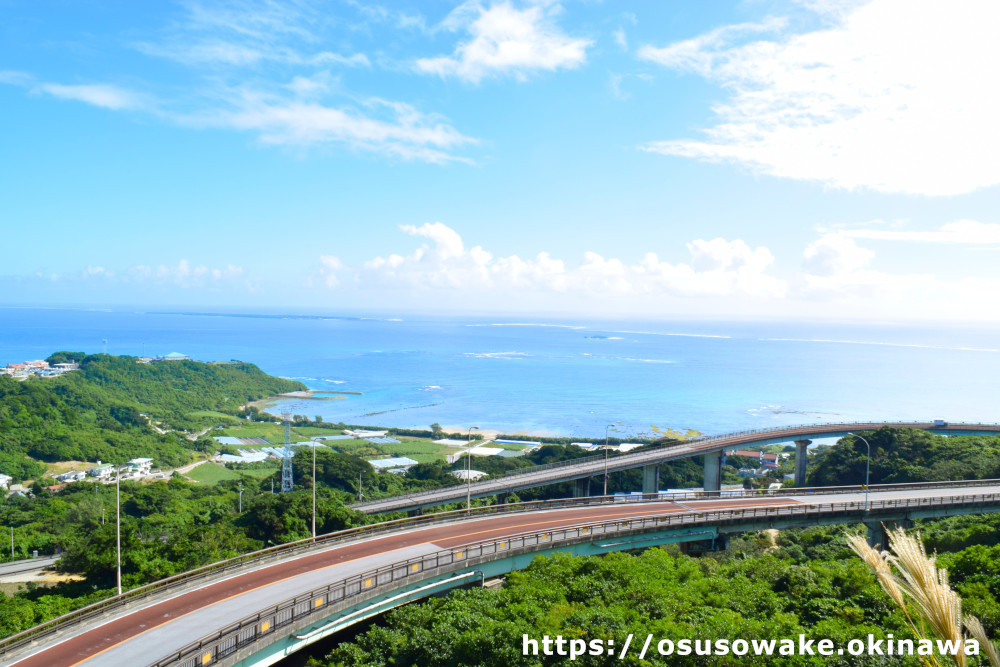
[(102, 471), (141, 466), (5, 481)]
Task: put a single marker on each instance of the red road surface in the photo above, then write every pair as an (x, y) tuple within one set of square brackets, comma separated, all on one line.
[(89, 643)]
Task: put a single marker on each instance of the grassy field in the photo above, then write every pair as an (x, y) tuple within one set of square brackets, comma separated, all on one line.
[(261, 473), (273, 432), (211, 473), (212, 414), (65, 466), (310, 431)]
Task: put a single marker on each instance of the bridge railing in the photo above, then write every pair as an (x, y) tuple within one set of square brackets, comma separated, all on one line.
[(701, 443), (227, 641), (149, 592)]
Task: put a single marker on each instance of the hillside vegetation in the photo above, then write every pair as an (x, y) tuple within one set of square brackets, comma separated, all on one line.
[(99, 411), (906, 455)]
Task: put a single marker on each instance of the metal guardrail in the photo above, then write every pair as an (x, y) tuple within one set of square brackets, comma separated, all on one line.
[(219, 645), (698, 445), (254, 559), (260, 558)]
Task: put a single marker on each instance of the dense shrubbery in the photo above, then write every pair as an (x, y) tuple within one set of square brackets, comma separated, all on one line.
[(907, 455), (812, 584), (167, 528)]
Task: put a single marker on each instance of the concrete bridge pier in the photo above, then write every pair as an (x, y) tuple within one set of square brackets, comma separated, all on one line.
[(651, 479), (581, 487), (713, 473), (801, 461), (502, 498), (878, 533)]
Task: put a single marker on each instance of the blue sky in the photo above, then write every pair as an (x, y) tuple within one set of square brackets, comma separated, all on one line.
[(815, 159)]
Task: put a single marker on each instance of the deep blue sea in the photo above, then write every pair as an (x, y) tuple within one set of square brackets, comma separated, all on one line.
[(562, 377)]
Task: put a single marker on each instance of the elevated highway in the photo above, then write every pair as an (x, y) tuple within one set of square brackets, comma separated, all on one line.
[(256, 609), (649, 459)]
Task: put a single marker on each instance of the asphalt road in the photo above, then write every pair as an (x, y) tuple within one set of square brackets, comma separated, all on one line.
[(28, 565), (129, 640), (143, 634)]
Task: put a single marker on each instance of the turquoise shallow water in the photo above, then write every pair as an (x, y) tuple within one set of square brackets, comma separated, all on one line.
[(563, 377)]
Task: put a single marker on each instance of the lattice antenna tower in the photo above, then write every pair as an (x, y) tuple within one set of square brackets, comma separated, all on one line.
[(286, 461)]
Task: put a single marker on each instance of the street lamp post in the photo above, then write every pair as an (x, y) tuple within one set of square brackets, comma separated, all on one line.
[(868, 462), (314, 488), (118, 525), (468, 470), (241, 498), (606, 458)]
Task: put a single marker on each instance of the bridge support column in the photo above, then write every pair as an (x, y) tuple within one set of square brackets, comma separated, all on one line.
[(878, 533), (801, 461), (713, 473), (581, 487), (651, 479), (502, 498), (416, 512)]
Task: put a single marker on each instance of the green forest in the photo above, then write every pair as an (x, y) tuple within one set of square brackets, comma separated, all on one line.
[(805, 581), (108, 408)]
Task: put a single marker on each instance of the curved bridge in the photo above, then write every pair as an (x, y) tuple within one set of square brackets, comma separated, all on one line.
[(256, 609), (649, 459)]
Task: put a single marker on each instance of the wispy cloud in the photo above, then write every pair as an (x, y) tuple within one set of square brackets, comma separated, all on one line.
[(968, 232), (381, 126), (503, 39), (259, 66), (242, 33), (106, 96), (892, 96), (184, 274)]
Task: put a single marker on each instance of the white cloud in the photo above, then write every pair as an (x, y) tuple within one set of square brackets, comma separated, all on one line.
[(835, 254), (835, 269), (382, 126), (100, 95), (717, 268), (244, 33), (960, 231), (184, 275), (105, 95), (506, 40), (330, 267), (15, 78), (703, 54), (895, 96), (621, 39)]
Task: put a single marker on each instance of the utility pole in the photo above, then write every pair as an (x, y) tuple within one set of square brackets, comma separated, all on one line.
[(314, 488), (12, 542), (241, 498), (361, 496), (118, 521)]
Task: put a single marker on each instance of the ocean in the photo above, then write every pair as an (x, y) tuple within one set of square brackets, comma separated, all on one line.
[(561, 377)]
